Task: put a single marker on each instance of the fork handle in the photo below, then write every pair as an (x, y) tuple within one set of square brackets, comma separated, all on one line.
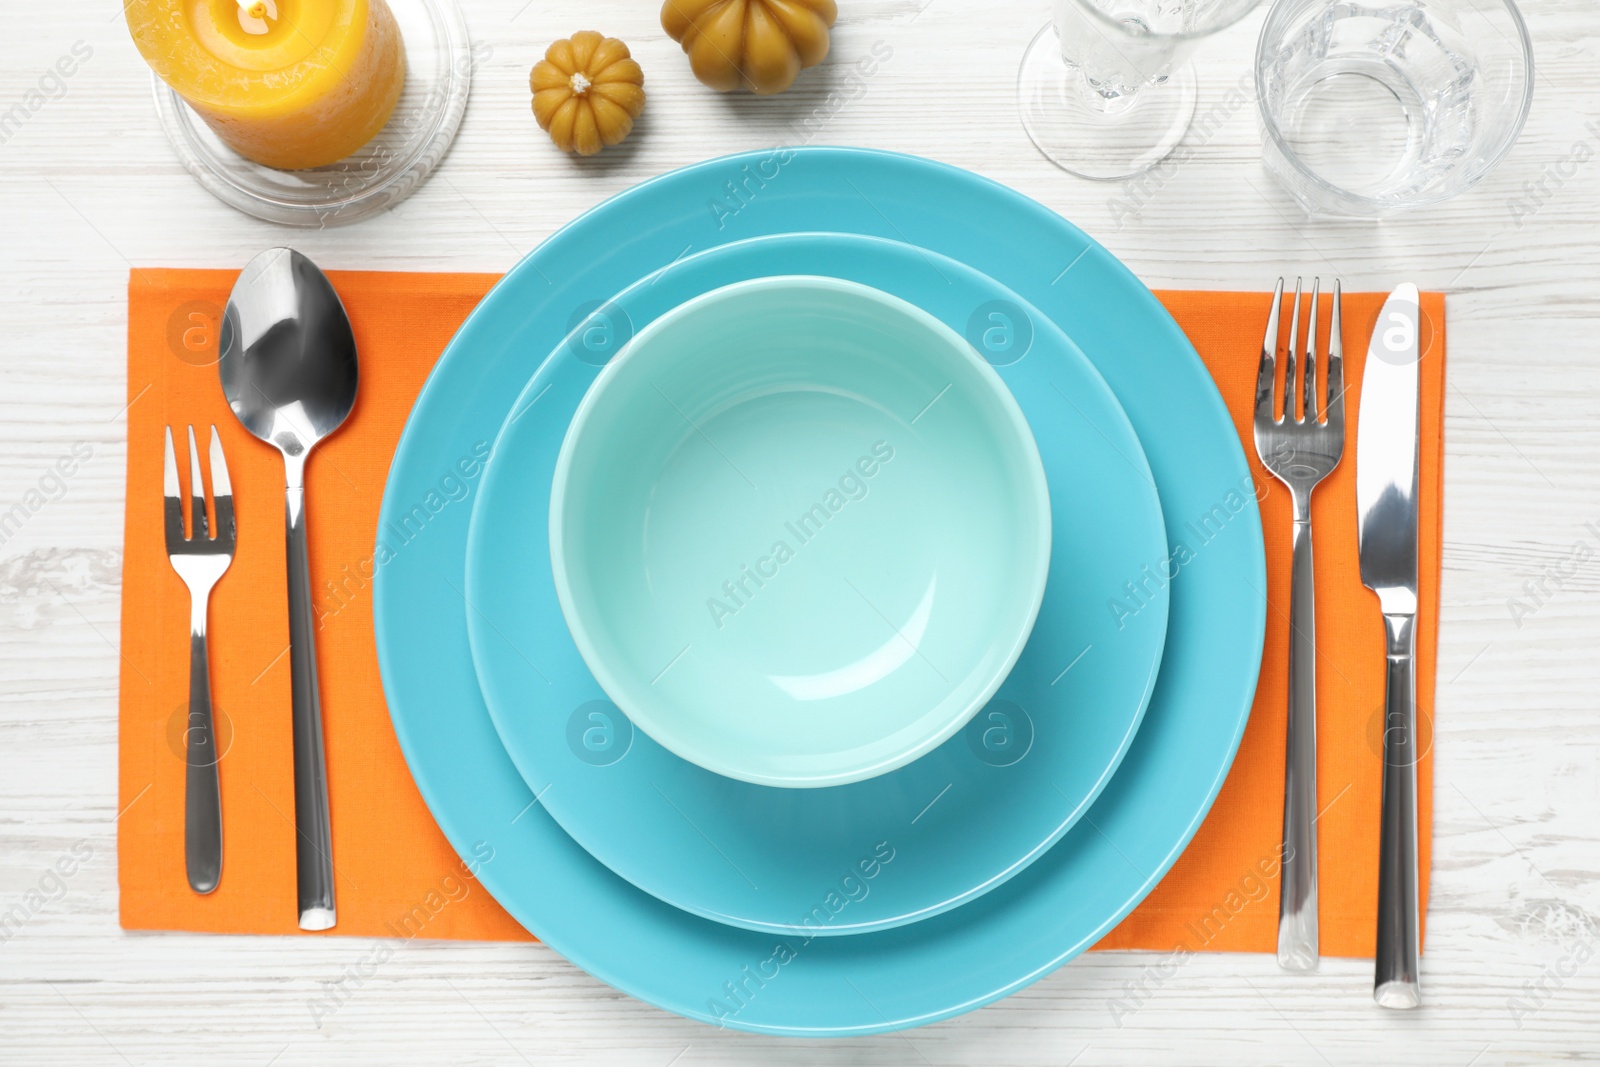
[(1297, 903), (1395, 982), (202, 794), (313, 828)]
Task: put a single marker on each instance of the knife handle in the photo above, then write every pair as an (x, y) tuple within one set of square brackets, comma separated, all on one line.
[(1395, 982)]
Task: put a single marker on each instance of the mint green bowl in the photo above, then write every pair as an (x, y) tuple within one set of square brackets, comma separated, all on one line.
[(800, 531)]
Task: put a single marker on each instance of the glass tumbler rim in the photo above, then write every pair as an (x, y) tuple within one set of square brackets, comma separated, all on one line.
[(1375, 205), (1243, 8)]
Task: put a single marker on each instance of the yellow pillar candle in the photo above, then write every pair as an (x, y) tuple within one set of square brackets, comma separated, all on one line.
[(287, 83)]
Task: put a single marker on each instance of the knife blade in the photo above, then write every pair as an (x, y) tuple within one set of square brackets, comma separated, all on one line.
[(1386, 454), (1387, 482)]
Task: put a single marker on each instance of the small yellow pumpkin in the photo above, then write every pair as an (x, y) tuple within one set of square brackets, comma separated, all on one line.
[(587, 91), (759, 45)]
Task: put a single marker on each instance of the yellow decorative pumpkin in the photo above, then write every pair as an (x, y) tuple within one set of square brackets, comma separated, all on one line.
[(586, 92), (759, 45)]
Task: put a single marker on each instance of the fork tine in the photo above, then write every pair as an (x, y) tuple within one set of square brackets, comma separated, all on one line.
[(1336, 361), (221, 489), (197, 491), (1311, 353), (220, 486), (1269, 349), (171, 494), (1288, 364), (169, 476)]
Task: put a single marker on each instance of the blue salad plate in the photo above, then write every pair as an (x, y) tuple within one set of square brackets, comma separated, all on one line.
[(961, 819)]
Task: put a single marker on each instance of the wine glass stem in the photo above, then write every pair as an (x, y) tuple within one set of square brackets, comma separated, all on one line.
[(1115, 60)]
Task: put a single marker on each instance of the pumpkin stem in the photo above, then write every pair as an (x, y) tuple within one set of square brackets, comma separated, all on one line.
[(579, 83)]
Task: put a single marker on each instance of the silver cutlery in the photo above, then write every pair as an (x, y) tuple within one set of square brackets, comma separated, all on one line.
[(1386, 501), (1300, 450), (288, 371), (200, 557)]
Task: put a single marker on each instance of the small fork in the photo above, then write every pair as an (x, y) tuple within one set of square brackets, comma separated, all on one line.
[(200, 559), (1300, 451)]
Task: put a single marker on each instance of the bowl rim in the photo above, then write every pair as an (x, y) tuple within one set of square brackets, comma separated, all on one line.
[(1013, 420)]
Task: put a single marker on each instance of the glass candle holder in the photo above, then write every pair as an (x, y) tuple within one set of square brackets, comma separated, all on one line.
[(306, 112)]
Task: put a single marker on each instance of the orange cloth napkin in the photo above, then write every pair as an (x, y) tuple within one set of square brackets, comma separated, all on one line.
[(389, 854)]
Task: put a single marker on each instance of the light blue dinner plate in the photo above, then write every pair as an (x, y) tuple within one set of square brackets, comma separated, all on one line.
[(1009, 937), (772, 527), (961, 819)]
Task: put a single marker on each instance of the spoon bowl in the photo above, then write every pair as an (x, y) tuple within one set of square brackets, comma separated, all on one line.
[(288, 354)]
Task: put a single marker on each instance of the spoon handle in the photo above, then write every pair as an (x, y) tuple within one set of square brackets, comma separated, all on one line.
[(314, 834)]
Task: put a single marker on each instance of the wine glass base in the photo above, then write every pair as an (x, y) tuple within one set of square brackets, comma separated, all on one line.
[(1062, 116), (439, 62)]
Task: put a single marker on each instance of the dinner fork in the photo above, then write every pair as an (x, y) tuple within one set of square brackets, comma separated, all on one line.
[(1300, 450), (200, 558)]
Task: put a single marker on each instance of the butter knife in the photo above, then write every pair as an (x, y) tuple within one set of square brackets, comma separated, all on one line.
[(1386, 502)]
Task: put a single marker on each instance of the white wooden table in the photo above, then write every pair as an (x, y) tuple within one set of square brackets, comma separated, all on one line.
[(89, 187)]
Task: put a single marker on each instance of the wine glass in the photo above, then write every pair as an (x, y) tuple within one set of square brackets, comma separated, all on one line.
[(1105, 89)]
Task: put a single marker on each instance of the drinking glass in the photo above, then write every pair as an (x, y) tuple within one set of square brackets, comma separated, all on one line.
[(1105, 89), (1369, 107)]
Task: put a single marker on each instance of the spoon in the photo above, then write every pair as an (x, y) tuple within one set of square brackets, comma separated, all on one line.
[(289, 373)]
